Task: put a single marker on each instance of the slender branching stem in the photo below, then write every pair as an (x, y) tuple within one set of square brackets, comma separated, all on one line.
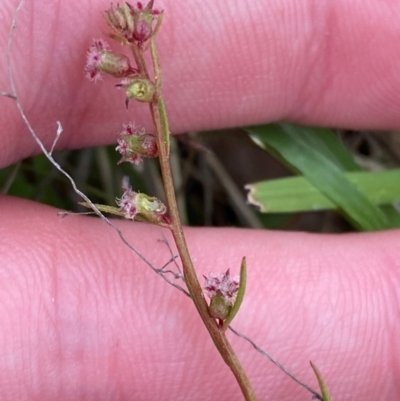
[(196, 292)]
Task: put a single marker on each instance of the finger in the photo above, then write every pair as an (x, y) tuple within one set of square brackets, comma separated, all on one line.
[(224, 64), (84, 318)]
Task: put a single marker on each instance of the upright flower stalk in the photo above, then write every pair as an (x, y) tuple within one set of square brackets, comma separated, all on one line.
[(136, 27)]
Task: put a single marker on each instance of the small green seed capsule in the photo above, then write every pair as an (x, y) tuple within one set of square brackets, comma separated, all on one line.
[(141, 90), (218, 308)]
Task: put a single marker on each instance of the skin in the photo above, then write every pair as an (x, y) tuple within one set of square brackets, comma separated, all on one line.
[(82, 318)]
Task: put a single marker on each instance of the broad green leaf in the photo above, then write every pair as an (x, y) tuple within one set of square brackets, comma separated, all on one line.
[(296, 194), (306, 152), (322, 385)]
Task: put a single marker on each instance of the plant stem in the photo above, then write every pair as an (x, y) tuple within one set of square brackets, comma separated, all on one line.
[(161, 129), (193, 285), (217, 334)]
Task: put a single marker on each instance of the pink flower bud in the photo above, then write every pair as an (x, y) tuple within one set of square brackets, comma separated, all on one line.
[(120, 20), (138, 206), (222, 290), (143, 31), (100, 59), (222, 285), (133, 144), (132, 24)]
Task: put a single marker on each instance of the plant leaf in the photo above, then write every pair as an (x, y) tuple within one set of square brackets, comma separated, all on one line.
[(296, 194), (305, 151), (114, 210), (164, 123), (240, 295), (104, 208), (322, 384)]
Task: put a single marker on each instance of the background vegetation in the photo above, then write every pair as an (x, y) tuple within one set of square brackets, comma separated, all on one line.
[(341, 181)]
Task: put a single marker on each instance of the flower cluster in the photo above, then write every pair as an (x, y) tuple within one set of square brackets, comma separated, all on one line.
[(128, 203), (222, 285), (100, 59), (136, 205), (133, 25), (134, 143)]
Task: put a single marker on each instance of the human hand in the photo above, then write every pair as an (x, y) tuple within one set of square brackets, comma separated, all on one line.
[(83, 318)]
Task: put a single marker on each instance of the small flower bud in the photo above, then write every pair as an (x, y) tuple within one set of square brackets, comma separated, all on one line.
[(120, 20), (138, 206), (222, 290), (134, 144), (99, 59), (222, 284), (143, 30), (132, 24)]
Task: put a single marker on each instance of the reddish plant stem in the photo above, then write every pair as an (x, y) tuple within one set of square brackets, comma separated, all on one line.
[(217, 334)]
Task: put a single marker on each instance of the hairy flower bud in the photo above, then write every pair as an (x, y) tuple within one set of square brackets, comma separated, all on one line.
[(131, 24), (221, 289), (120, 20), (100, 59), (222, 284), (139, 206), (133, 144)]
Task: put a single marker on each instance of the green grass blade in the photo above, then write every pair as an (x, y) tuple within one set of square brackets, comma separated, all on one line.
[(296, 194), (326, 142), (302, 152)]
